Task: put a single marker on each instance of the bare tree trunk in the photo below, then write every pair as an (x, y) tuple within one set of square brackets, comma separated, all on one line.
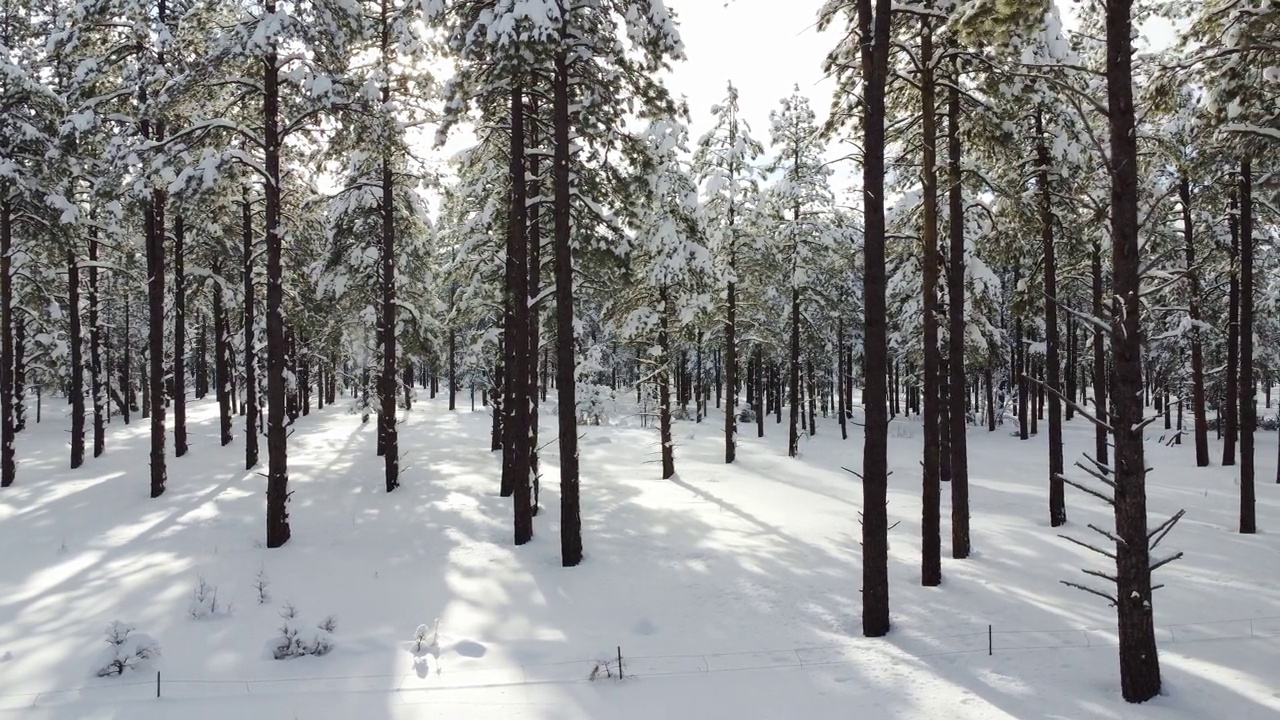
[(1100, 410), (960, 542), (8, 464), (100, 406), (387, 416), (453, 370), (516, 450), (250, 406), (760, 392), (155, 222), (841, 379), (1139, 662), (221, 356), (793, 437), (930, 522), (179, 340), (77, 361), (1248, 388), (1229, 424), (874, 34), (278, 531), (664, 389), (566, 388), (1057, 494)]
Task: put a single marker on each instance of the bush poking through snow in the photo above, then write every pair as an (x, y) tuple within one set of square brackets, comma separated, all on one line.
[(602, 669), (204, 601), (295, 640), (127, 650), (426, 639), (260, 584)]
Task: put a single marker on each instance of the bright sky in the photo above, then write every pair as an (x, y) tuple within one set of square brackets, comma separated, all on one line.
[(767, 50)]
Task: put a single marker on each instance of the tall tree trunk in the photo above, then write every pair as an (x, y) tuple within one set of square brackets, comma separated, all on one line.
[(1139, 663), (1053, 381), (1201, 428), (77, 360), (497, 396), (874, 34), (930, 522), (387, 416), (221, 355), (453, 370), (793, 437), (534, 289), (664, 389), (8, 465), (760, 392), (127, 404), (1100, 409), (278, 531), (570, 511), (179, 339), (811, 395), (250, 406), (1248, 389), (516, 451), (202, 359), (1020, 372), (155, 221), (841, 379), (100, 406), (960, 542), (1231, 407)]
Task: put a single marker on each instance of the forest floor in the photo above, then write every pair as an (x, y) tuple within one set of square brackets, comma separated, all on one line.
[(731, 591)]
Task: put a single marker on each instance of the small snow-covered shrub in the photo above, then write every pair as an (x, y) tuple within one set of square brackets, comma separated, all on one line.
[(260, 584), (204, 601), (126, 650), (595, 404), (747, 414), (296, 639), (425, 639)]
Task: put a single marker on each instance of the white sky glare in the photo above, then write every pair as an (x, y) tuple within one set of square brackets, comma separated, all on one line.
[(762, 48)]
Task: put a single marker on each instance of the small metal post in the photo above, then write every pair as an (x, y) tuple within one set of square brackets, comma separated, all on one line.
[(157, 683), (619, 662), (990, 644)]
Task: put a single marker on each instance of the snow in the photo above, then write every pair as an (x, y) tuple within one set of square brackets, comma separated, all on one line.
[(731, 590)]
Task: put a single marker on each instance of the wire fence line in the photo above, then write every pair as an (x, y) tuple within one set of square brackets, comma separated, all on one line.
[(473, 675)]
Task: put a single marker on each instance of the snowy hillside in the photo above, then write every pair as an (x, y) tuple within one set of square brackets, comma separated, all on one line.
[(731, 591)]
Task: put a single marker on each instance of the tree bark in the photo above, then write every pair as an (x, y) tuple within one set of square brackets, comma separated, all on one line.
[(1139, 662), (664, 389), (516, 451), (250, 406), (960, 541), (77, 360), (1248, 389), (1201, 429), (387, 386), (931, 493), (873, 31), (278, 531), (100, 406), (179, 339), (793, 437), (1100, 408), (1053, 381), (566, 389), (8, 464), (221, 355), (1229, 424)]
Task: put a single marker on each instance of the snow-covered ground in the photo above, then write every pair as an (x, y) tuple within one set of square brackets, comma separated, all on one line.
[(732, 591)]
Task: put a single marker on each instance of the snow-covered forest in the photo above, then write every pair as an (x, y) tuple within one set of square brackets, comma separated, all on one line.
[(326, 320)]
